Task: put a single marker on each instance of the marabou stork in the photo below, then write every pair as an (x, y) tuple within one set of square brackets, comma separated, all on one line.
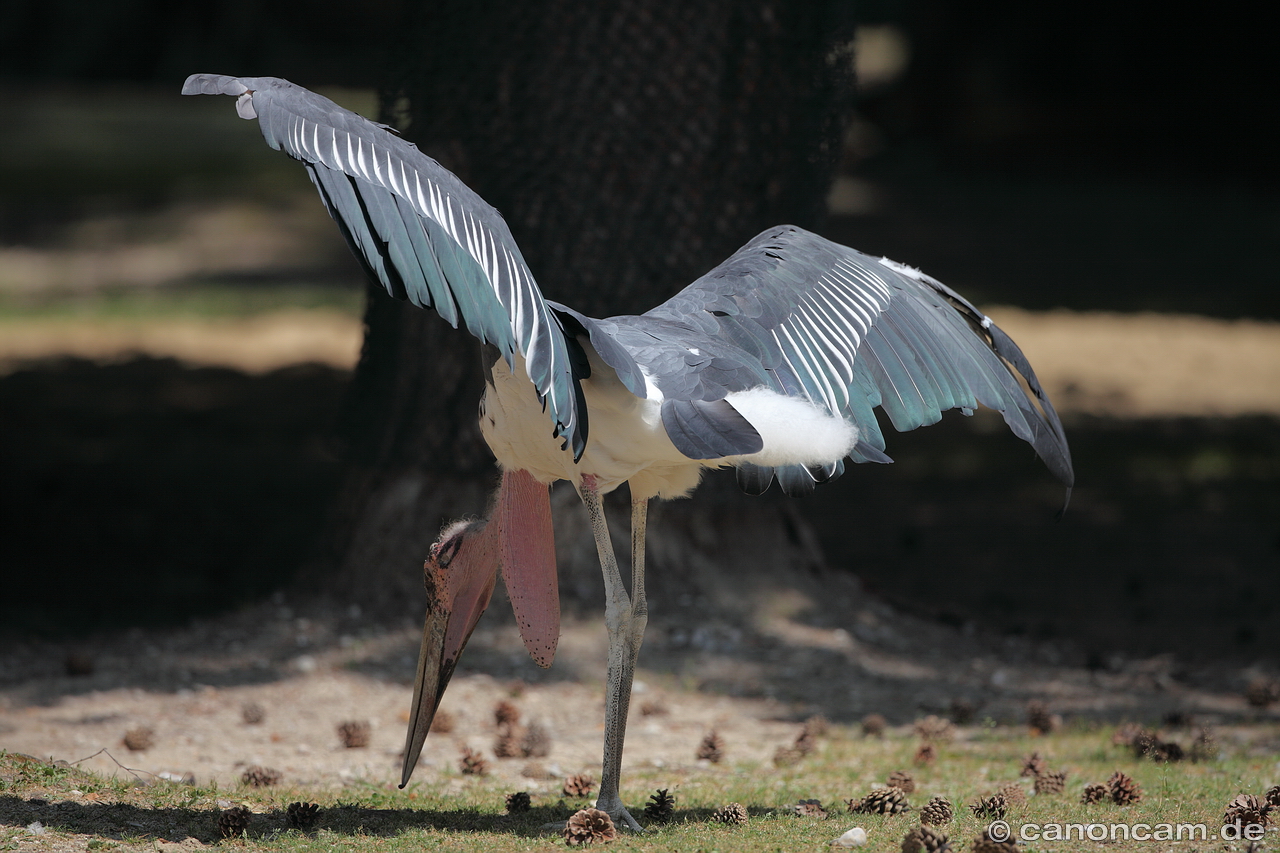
[(771, 363)]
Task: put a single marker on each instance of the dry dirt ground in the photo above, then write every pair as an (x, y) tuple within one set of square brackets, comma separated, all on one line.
[(751, 673)]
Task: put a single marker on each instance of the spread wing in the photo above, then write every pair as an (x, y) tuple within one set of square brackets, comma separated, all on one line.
[(808, 317), (417, 229)]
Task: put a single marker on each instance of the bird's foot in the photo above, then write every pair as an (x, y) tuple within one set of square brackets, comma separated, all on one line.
[(622, 818)]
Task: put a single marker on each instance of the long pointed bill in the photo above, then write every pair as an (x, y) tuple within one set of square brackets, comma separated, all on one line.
[(460, 576)]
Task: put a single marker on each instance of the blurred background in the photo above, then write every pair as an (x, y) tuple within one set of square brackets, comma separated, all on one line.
[(179, 319)]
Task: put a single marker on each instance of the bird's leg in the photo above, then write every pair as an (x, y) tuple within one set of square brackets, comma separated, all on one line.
[(624, 617)]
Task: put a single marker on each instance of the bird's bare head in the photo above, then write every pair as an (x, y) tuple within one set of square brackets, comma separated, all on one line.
[(459, 574)]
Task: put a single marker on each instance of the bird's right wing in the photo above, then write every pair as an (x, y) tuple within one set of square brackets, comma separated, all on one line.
[(811, 318), (417, 229)]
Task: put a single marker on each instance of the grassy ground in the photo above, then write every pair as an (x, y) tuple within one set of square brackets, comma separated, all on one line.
[(81, 810)]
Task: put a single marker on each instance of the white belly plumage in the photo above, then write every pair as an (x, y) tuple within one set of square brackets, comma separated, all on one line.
[(627, 442)]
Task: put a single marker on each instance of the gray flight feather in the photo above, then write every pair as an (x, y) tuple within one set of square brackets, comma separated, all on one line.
[(806, 317), (418, 230)]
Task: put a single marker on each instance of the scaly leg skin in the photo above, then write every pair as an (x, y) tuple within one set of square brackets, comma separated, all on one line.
[(625, 618)]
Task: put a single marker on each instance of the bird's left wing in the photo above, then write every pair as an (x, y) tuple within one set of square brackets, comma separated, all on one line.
[(417, 229), (811, 318)]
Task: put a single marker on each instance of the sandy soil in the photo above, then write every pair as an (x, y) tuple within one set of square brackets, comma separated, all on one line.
[(190, 687), (1128, 365)]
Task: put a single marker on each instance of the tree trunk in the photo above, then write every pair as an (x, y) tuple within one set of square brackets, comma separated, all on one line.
[(631, 147)]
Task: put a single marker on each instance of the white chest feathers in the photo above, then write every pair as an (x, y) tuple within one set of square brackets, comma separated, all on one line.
[(626, 440)]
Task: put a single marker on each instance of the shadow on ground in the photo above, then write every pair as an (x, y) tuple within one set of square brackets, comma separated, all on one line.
[(147, 492)]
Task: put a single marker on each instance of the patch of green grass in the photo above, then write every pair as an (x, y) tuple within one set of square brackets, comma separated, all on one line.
[(211, 299), (75, 807)]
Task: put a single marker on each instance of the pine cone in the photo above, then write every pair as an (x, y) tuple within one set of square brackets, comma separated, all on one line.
[(732, 813), (1123, 789), (233, 822), (926, 839), (935, 729), (578, 785), (506, 714), (1273, 797), (472, 763), (1247, 809), (354, 734), (589, 826), (252, 713), (984, 843), (786, 756), (661, 806), (815, 727), (810, 808), (536, 743), (261, 777), (994, 807), (442, 723), (1039, 720), (518, 802), (937, 811), (902, 779), (140, 738), (873, 725), (926, 754), (805, 743), (1034, 765), (1095, 792), (882, 801), (711, 748), (1014, 794), (1051, 782), (302, 815), (508, 742)]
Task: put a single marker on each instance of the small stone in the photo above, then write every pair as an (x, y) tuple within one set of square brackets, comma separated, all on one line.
[(252, 713), (855, 837), (140, 738)]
